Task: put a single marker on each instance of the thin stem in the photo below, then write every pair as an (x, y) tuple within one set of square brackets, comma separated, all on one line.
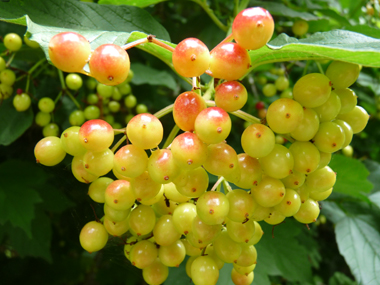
[(319, 67), (171, 136), (243, 5), (221, 178), (306, 67), (210, 90), (227, 186), (164, 111), (10, 60), (73, 99), (34, 67), (240, 114), (61, 79), (31, 70), (236, 7), (161, 44), (27, 84), (247, 117), (118, 131), (58, 97), (116, 146), (211, 14), (135, 43)]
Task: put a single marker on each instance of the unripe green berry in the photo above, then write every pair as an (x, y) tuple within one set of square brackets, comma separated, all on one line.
[(42, 119), (50, 130), (74, 81), (130, 101), (91, 112), (12, 42), (77, 118), (141, 108)]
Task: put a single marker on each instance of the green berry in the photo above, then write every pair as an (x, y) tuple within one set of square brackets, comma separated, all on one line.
[(51, 129), (76, 118), (92, 99), (269, 90), (30, 43), (91, 112), (104, 90), (12, 42), (46, 105), (8, 77), (130, 101), (74, 81), (114, 106), (2, 64), (42, 119), (22, 102), (5, 91), (141, 108), (91, 83)]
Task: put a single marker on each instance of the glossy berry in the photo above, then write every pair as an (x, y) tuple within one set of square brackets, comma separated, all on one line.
[(109, 64), (213, 125), (189, 152), (46, 105), (230, 96), (49, 151), (252, 28), (74, 81), (145, 131), (21, 102), (229, 61), (69, 51), (12, 42), (96, 135), (191, 57), (186, 108), (93, 236)]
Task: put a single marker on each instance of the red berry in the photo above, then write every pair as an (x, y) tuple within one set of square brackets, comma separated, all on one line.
[(191, 57), (230, 96), (260, 105), (186, 108), (253, 28), (96, 135), (109, 64), (69, 51), (229, 61)]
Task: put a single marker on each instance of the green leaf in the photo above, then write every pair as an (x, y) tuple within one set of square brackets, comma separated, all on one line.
[(375, 198), (374, 176), (283, 255), (335, 45), (369, 81), (278, 9), (359, 243), (12, 123), (366, 30), (351, 177), (147, 75), (138, 3), (340, 279), (76, 15), (39, 245), (334, 15), (17, 196)]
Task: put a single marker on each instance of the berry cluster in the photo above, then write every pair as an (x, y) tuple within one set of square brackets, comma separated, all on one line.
[(22, 100), (160, 204)]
